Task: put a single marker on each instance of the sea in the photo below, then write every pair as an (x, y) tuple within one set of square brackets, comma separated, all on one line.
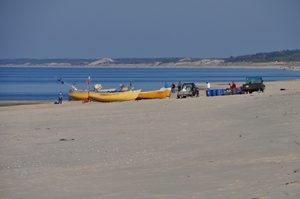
[(41, 84)]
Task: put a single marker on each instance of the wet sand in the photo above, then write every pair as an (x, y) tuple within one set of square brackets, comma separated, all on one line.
[(239, 146)]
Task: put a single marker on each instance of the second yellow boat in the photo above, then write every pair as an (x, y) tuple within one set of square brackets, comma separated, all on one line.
[(79, 94)]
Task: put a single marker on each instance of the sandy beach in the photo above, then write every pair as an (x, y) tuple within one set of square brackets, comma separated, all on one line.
[(240, 146)]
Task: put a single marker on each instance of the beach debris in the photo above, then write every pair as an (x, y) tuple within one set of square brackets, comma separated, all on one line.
[(297, 143), (296, 170), (66, 139), (287, 183), (283, 89)]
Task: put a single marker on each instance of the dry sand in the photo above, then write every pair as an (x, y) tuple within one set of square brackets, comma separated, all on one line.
[(241, 146)]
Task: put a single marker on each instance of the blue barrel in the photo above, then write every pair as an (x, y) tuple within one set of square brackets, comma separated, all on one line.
[(213, 92), (208, 93), (220, 92)]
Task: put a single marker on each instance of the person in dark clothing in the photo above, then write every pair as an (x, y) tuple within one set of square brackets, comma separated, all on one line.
[(179, 86), (173, 88)]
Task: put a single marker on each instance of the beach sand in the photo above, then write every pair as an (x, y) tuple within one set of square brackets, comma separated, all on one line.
[(241, 146)]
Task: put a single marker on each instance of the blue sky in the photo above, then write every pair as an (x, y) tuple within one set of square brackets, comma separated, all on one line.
[(146, 28)]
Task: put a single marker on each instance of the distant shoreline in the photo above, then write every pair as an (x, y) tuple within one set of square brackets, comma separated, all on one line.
[(273, 65), (277, 59)]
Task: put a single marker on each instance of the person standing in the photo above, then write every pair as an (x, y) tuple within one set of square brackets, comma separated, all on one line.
[(207, 86), (173, 87), (60, 97), (232, 88), (166, 85), (179, 86)]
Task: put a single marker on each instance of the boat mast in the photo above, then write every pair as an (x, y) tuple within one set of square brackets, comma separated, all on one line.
[(88, 82), (64, 82)]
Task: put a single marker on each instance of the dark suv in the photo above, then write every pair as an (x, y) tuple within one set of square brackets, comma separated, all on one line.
[(252, 84), (188, 90)]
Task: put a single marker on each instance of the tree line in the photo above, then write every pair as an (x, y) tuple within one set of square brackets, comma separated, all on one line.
[(279, 56)]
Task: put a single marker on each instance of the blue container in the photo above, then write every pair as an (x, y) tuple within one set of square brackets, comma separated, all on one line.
[(220, 92), (213, 92), (208, 93)]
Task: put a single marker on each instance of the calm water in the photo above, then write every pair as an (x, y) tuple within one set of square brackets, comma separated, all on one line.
[(40, 84)]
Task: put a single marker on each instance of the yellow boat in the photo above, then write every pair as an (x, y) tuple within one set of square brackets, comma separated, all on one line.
[(114, 97), (156, 94), (84, 94), (79, 94)]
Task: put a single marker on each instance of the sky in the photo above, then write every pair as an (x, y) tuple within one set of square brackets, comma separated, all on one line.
[(95, 29)]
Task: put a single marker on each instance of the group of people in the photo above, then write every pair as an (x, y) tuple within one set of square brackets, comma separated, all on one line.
[(179, 87), (173, 86)]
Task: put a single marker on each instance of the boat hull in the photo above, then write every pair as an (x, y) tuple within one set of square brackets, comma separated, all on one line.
[(114, 97), (156, 94), (79, 94)]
